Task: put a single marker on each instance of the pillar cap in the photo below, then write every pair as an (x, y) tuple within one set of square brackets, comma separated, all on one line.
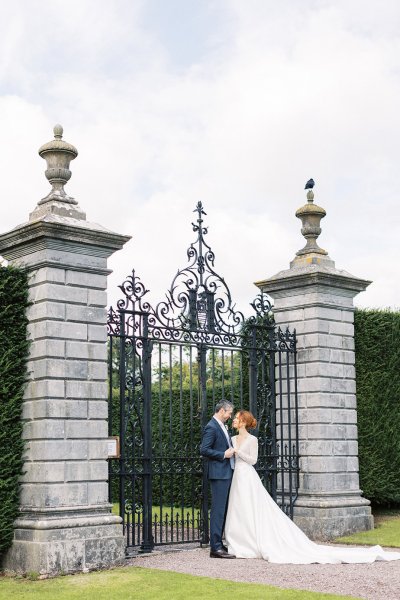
[(53, 234), (312, 276)]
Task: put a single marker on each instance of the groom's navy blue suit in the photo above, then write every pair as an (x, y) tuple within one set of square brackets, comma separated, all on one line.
[(219, 472)]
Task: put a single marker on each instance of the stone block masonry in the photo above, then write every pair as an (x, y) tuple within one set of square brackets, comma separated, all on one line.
[(66, 522), (316, 299)]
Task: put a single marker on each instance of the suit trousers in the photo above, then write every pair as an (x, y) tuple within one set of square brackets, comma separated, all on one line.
[(219, 502)]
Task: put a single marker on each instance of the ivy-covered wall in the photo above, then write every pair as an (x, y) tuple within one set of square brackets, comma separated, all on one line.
[(13, 358), (377, 345)]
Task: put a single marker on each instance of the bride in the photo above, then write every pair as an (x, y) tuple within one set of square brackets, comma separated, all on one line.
[(256, 527)]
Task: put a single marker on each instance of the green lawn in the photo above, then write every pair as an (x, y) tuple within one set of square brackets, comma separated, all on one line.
[(165, 511), (131, 583), (385, 533)]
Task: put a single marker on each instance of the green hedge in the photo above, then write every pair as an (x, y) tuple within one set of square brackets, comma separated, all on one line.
[(377, 343), (377, 351), (13, 357), (181, 464)]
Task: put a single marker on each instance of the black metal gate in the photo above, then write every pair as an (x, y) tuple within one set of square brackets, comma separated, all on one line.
[(168, 367)]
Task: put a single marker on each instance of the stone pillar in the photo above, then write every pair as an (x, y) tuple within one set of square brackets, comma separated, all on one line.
[(317, 299), (65, 522)]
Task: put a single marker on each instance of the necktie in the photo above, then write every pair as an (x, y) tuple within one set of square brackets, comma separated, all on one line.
[(228, 439)]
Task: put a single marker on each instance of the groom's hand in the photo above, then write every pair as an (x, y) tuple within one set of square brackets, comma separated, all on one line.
[(228, 453)]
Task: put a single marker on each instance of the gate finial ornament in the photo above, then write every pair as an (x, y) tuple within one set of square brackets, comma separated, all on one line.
[(58, 154), (311, 215)]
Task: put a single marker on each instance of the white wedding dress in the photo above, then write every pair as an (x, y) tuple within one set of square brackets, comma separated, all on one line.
[(257, 528)]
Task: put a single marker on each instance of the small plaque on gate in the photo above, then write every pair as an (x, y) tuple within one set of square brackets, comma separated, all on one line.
[(113, 447)]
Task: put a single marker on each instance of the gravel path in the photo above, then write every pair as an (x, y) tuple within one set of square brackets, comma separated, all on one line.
[(377, 581)]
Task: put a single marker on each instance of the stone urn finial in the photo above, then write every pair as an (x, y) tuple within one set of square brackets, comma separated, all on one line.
[(311, 215), (58, 154)]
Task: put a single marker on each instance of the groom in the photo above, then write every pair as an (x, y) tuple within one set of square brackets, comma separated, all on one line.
[(216, 447)]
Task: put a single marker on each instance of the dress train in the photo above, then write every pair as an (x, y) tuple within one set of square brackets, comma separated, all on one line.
[(256, 527)]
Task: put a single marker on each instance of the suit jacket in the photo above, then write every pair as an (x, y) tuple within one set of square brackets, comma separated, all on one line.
[(213, 446)]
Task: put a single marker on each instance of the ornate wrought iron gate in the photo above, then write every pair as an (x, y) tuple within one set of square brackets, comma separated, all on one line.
[(168, 366)]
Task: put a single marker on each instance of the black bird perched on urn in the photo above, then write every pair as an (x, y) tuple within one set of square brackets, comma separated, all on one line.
[(310, 184)]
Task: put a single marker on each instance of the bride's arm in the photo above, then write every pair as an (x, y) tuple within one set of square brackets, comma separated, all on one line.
[(250, 454)]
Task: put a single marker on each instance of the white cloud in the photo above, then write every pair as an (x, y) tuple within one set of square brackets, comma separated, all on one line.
[(278, 93)]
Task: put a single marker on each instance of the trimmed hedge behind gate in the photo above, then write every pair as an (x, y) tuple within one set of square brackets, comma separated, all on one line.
[(13, 357), (377, 356), (377, 353)]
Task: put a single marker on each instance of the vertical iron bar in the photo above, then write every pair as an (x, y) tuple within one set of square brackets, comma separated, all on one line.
[(241, 377), (289, 425), (281, 425), (122, 385), (183, 451), (213, 375), (201, 357), (263, 408), (223, 373), (134, 432), (192, 445), (133, 458), (272, 410), (110, 412), (171, 478), (148, 540), (160, 433), (297, 458), (232, 380), (253, 373)]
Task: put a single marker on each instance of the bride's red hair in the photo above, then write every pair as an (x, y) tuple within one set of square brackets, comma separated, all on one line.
[(248, 419)]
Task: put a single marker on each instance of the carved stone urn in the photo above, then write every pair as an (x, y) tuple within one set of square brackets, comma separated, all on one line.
[(58, 154), (311, 215)]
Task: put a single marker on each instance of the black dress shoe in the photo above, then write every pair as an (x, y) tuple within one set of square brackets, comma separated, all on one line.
[(220, 553)]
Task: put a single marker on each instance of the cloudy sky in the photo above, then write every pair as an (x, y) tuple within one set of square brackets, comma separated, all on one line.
[(232, 102)]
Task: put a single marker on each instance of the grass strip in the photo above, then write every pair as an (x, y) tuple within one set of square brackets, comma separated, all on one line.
[(386, 533), (136, 583)]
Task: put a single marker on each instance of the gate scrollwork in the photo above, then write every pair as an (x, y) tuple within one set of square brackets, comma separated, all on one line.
[(168, 366)]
